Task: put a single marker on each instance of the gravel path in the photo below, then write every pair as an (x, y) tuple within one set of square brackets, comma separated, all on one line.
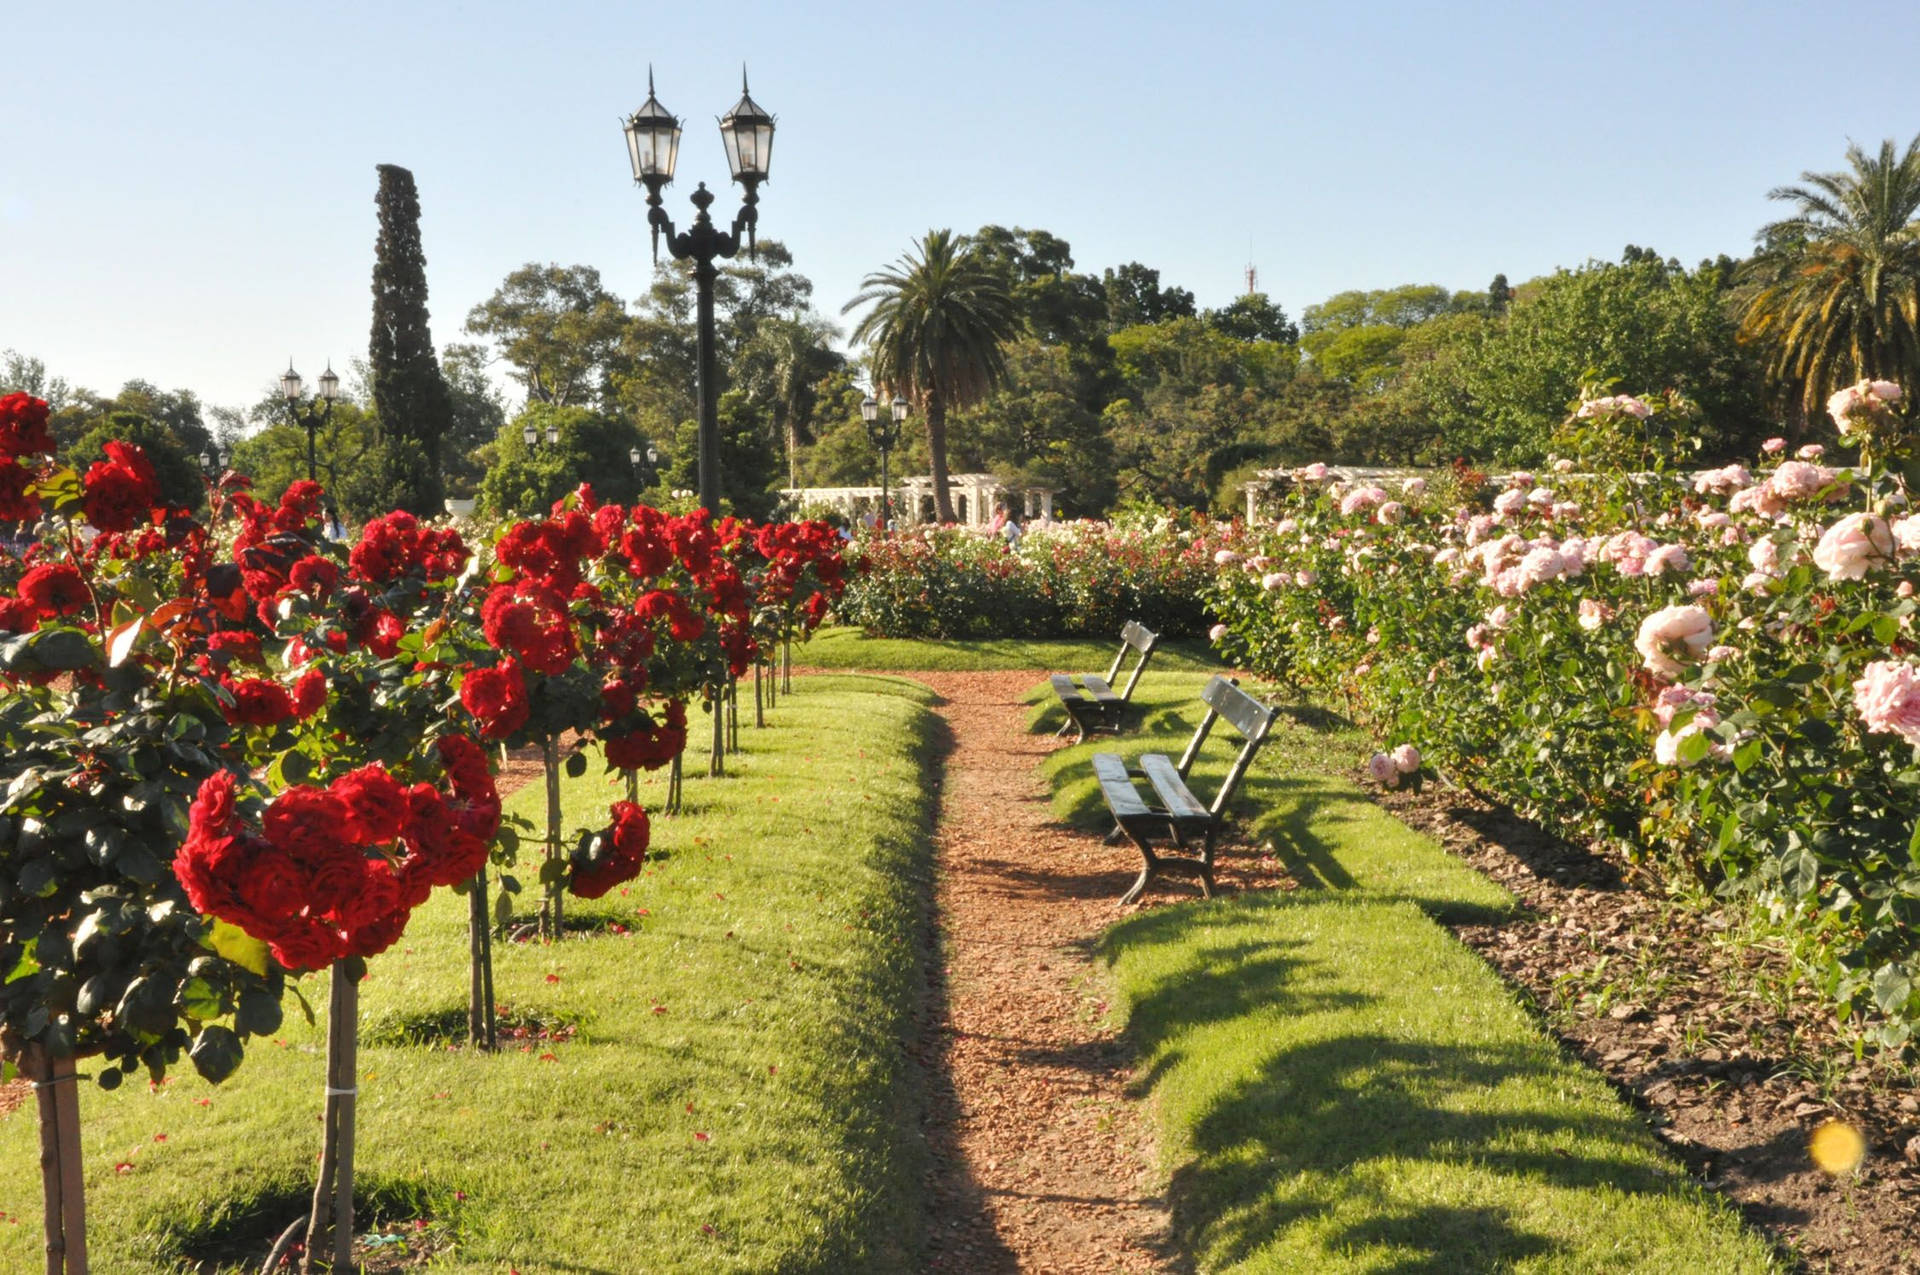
[(1041, 1161)]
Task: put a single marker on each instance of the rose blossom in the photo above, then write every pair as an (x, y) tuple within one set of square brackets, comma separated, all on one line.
[(1384, 772), (1406, 759), (1390, 513), (1887, 697), (1594, 613), (1314, 473), (1217, 632), (1906, 533), (1853, 544), (1774, 446), (1274, 579), (1225, 558), (1665, 558), (1812, 451), (1686, 627), (1511, 501), (1414, 487), (1563, 466)]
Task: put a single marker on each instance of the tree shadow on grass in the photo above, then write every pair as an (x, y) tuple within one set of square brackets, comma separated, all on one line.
[(1301, 1139)]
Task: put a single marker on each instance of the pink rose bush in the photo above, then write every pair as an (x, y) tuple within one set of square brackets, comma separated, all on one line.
[(1712, 674)]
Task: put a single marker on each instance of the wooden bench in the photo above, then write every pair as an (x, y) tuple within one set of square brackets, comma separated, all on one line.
[(1175, 815), (1092, 705)]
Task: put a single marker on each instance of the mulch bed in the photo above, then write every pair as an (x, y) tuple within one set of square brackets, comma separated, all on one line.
[(1733, 1075)]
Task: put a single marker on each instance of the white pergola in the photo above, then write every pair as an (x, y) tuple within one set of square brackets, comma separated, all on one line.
[(975, 496)]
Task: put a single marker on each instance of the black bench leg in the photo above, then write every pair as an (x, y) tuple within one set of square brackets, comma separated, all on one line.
[(1206, 867), (1151, 862)]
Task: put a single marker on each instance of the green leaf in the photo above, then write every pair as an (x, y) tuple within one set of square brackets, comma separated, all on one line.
[(216, 1053), (238, 946), (28, 966), (553, 871), (1745, 755), (1693, 747), (199, 1001), (258, 1013), (290, 768), (1891, 988), (576, 765), (62, 649), (122, 640), (508, 840), (502, 908), (1886, 629)]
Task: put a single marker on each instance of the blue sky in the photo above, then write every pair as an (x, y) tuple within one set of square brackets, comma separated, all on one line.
[(189, 188)]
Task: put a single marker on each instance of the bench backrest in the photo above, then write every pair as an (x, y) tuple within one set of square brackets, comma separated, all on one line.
[(1134, 637), (1224, 698)]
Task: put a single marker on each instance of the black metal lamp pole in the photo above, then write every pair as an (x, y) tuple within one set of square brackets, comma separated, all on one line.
[(653, 145), (884, 433), (311, 415)]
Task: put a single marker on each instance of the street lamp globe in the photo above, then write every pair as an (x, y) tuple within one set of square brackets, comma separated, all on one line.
[(653, 454), (329, 384), (290, 384), (553, 435), (747, 132), (529, 435), (653, 141), (633, 457), (899, 410), (869, 409)]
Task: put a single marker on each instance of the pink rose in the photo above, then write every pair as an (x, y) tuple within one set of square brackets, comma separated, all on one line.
[(1406, 759), (1274, 579), (1594, 613), (1684, 630), (1390, 513), (1887, 697), (1774, 446), (1850, 546), (1666, 558), (1812, 451), (1384, 772), (1217, 633), (1225, 558)]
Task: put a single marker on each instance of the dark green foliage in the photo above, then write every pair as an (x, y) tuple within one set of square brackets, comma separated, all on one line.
[(1499, 295), (592, 448), (181, 483), (409, 394), (1253, 317), (1134, 296)]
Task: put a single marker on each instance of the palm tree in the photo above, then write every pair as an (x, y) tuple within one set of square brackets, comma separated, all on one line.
[(1835, 290), (934, 334)]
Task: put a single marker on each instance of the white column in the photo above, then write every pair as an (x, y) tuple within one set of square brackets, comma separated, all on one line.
[(1253, 506)]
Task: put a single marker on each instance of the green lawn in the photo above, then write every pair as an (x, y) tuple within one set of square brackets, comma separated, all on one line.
[(1342, 1086), (735, 1096), (849, 648)]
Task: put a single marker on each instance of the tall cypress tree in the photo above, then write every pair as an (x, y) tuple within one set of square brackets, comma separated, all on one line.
[(409, 394)]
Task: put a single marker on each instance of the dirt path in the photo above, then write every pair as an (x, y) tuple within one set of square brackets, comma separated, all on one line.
[(1041, 1162)]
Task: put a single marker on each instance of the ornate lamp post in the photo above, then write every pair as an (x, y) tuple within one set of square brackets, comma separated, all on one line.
[(313, 414), (653, 145), (646, 465), (885, 432), (531, 436)]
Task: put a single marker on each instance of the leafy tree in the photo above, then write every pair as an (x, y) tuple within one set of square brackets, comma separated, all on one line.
[(1037, 428), (559, 329), (1400, 307), (274, 457), (1499, 388), (1134, 296), (479, 411), (1499, 295), (410, 397), (1183, 356), (592, 448), (24, 374), (1253, 317), (934, 333), (1835, 293), (783, 367), (181, 482)]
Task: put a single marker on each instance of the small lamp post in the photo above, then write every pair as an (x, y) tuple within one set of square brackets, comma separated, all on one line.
[(210, 460), (653, 147), (885, 432), (312, 414), (531, 436), (646, 465)]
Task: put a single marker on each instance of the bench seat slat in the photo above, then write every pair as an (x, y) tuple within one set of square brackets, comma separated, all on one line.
[(1098, 688), (1123, 799), (1181, 805)]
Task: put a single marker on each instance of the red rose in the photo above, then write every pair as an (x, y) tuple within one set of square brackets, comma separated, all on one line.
[(376, 805), (212, 808), (23, 426), (376, 892), (384, 633), (302, 497), (54, 588), (497, 698), (307, 943), (466, 765), (15, 504), (379, 933), (614, 856), (231, 645), (314, 575), (18, 616), (120, 489), (310, 693), (307, 822), (257, 702), (272, 885)]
